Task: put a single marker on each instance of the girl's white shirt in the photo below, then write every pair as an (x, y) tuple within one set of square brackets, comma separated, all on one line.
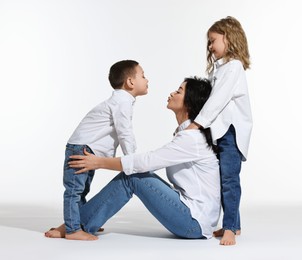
[(192, 167), (229, 103)]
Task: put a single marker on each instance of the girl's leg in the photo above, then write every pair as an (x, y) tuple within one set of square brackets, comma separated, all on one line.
[(230, 166), (159, 198)]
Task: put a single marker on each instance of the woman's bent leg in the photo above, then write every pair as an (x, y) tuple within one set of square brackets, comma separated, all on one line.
[(159, 198), (105, 204), (165, 205)]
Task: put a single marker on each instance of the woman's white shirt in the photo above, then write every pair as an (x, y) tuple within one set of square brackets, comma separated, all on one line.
[(192, 167)]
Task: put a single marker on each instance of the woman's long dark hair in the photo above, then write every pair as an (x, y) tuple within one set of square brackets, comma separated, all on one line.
[(197, 93)]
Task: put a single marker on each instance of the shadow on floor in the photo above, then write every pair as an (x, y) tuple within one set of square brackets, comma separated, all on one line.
[(39, 218)]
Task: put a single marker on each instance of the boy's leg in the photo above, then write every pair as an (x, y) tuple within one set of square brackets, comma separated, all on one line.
[(75, 185), (90, 175), (230, 166), (160, 199)]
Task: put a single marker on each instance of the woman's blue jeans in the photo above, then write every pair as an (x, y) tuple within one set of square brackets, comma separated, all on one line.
[(230, 166), (159, 198), (77, 187)]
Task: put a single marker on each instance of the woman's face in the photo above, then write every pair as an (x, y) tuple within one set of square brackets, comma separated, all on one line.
[(176, 99)]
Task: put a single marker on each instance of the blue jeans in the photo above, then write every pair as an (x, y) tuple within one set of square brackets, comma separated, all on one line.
[(77, 187), (230, 165), (159, 198)]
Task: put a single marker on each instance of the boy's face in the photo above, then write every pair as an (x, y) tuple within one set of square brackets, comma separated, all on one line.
[(139, 82)]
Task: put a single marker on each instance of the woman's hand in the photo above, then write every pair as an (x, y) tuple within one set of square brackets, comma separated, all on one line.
[(86, 162)]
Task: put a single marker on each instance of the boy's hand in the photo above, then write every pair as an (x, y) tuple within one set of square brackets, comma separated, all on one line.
[(86, 162)]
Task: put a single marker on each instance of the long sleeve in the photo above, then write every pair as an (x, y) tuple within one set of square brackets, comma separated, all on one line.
[(122, 119), (187, 146), (224, 87)]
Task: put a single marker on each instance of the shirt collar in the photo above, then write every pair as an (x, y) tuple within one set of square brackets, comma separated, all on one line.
[(219, 63), (125, 94), (182, 126)]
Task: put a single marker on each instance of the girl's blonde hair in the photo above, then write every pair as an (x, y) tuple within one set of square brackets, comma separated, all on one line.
[(237, 46)]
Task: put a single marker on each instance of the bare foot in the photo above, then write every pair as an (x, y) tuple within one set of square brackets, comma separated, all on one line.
[(58, 232), (228, 238), (81, 235)]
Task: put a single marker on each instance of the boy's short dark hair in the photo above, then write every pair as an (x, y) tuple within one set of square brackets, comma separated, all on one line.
[(119, 72)]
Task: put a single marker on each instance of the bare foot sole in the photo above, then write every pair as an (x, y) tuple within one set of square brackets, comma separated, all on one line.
[(58, 232), (81, 235)]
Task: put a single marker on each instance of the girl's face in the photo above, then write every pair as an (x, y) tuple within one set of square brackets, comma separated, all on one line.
[(217, 45), (176, 100)]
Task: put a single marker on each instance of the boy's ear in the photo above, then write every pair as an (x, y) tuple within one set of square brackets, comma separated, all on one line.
[(129, 83)]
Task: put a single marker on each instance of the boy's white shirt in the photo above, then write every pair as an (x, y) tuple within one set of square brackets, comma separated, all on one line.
[(229, 103), (108, 125)]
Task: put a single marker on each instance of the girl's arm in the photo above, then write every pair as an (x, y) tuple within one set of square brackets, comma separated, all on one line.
[(89, 162), (222, 93)]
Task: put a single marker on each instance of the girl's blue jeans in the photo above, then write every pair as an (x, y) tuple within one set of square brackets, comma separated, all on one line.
[(159, 198), (77, 187), (230, 165)]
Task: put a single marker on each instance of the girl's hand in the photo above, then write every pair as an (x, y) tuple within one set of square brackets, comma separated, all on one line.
[(86, 162)]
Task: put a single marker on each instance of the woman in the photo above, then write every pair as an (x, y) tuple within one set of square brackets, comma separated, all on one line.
[(191, 207)]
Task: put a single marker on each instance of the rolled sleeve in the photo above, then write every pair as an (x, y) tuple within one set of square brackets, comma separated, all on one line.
[(127, 164)]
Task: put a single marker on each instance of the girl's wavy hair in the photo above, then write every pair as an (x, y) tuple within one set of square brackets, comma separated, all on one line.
[(197, 93), (236, 42)]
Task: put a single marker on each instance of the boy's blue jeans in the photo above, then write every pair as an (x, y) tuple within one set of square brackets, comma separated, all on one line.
[(230, 165), (158, 197), (77, 187)]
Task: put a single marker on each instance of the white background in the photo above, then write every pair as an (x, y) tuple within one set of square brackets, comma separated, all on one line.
[(54, 62)]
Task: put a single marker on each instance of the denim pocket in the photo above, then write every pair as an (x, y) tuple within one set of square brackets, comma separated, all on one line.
[(72, 149)]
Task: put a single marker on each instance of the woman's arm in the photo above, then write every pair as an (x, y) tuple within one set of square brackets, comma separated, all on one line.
[(91, 162)]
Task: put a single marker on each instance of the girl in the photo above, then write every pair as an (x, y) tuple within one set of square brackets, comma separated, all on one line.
[(228, 114)]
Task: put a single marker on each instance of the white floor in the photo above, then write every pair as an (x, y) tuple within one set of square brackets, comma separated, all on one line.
[(268, 232)]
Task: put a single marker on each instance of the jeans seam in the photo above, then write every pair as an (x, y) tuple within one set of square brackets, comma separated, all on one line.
[(171, 202), (102, 203)]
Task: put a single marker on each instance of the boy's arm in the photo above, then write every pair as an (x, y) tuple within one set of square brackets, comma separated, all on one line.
[(122, 119)]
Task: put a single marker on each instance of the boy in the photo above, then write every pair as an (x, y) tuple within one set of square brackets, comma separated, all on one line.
[(106, 126)]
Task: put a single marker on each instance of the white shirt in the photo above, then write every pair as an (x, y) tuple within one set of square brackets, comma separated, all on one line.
[(192, 168), (228, 104), (108, 125)]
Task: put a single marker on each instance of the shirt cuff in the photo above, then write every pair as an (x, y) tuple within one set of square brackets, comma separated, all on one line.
[(127, 164), (202, 121)]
